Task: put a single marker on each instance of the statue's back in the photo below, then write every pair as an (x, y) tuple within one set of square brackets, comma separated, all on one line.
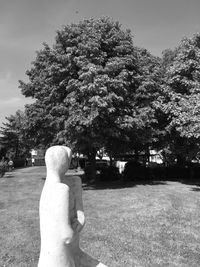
[(55, 227)]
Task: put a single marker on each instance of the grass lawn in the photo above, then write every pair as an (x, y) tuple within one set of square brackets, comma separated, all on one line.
[(145, 225)]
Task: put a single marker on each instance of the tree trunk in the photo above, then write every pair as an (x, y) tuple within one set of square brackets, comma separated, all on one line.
[(180, 160), (147, 155), (111, 160), (91, 173), (17, 150), (136, 158)]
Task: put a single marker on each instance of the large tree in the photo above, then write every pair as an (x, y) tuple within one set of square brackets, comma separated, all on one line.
[(182, 76), (83, 86)]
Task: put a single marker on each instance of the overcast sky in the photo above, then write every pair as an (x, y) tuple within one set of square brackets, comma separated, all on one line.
[(26, 24)]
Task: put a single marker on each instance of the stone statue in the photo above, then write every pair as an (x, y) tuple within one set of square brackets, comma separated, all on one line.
[(61, 214)]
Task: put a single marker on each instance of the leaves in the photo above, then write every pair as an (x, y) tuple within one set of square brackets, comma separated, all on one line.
[(94, 89), (182, 87), (83, 84)]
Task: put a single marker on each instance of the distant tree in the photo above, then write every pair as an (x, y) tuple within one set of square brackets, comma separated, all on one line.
[(13, 137), (43, 124)]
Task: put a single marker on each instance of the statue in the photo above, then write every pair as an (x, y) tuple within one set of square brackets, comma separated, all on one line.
[(61, 214)]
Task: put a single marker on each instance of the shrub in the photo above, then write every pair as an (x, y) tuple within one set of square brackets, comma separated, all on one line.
[(89, 172), (82, 163), (175, 172), (110, 173), (39, 162), (156, 171), (19, 162), (134, 170)]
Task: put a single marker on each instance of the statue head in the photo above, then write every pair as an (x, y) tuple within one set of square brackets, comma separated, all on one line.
[(57, 159)]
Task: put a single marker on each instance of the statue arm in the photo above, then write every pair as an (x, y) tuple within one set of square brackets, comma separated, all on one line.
[(80, 216)]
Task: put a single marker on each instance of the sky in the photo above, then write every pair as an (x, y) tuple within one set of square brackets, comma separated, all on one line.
[(25, 24)]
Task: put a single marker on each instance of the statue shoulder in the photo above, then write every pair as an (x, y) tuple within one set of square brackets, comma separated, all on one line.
[(54, 196), (61, 188)]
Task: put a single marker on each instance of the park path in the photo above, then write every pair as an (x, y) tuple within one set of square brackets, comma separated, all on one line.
[(36, 170)]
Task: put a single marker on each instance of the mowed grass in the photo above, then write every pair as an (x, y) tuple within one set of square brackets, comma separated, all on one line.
[(146, 225)]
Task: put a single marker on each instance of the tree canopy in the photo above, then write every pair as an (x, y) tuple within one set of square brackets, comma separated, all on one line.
[(94, 89), (182, 80), (88, 87)]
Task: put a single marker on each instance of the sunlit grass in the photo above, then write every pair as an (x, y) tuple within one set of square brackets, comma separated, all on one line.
[(143, 226)]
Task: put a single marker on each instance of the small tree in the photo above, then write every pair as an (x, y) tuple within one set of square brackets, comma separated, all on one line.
[(13, 137)]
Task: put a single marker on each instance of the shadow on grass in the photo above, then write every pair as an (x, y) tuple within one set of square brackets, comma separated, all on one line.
[(196, 189), (189, 181), (119, 184), (98, 185), (8, 175)]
